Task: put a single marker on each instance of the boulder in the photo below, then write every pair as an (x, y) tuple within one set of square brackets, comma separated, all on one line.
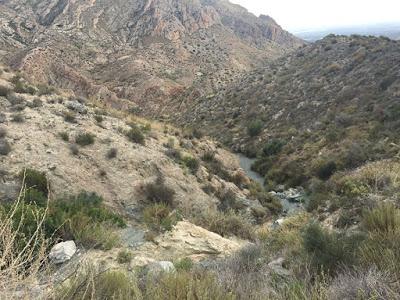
[(159, 267), (62, 252), (187, 239), (77, 107)]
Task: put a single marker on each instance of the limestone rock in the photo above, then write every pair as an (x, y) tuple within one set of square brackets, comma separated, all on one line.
[(62, 252), (187, 239)]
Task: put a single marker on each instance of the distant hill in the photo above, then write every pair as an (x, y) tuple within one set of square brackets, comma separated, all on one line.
[(337, 96), (391, 30), (144, 51)]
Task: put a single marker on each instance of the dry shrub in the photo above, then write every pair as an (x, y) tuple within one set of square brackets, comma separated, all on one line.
[(93, 284), (226, 224), (362, 284), (186, 286), (20, 259)]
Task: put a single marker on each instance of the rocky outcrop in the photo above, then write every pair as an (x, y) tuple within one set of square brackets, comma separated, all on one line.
[(62, 252)]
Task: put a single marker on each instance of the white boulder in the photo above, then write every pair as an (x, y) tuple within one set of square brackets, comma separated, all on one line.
[(62, 252)]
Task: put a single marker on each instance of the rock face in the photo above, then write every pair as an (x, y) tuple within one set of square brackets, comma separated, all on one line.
[(62, 252), (147, 51), (187, 239)]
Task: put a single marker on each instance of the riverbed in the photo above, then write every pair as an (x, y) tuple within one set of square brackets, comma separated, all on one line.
[(289, 207)]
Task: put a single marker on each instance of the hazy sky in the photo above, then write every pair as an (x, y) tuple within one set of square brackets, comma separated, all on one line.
[(296, 15)]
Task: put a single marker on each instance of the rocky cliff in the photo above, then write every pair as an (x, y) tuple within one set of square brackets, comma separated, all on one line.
[(149, 52)]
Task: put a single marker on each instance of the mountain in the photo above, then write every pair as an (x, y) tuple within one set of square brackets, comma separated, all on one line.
[(147, 51), (328, 100), (390, 30)]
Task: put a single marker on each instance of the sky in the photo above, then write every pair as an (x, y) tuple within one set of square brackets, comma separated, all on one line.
[(299, 15)]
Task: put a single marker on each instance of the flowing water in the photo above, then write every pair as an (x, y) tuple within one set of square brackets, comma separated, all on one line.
[(289, 207)]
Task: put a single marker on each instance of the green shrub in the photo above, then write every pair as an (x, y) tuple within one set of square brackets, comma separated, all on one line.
[(191, 163), (64, 136), (270, 201), (135, 135), (84, 139), (384, 219), (325, 169), (98, 118), (85, 219), (186, 285), (5, 147), (226, 224), (159, 217), (255, 128), (184, 264), (124, 257), (34, 179), (44, 89), (158, 192), (92, 284), (329, 250), (33, 196), (209, 156), (273, 147)]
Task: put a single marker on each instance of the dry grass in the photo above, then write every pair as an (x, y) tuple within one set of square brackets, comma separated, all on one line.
[(20, 265)]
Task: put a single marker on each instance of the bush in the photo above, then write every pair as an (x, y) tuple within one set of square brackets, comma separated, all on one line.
[(98, 118), (34, 179), (159, 217), (124, 257), (273, 147), (254, 128), (5, 147), (384, 219), (175, 154), (158, 192), (184, 264), (64, 136), (84, 139), (92, 284), (35, 103), (191, 163), (325, 169), (3, 132), (270, 201), (44, 89), (69, 117), (186, 285), (329, 250), (135, 135), (226, 224), (85, 219), (17, 118), (4, 90), (112, 153)]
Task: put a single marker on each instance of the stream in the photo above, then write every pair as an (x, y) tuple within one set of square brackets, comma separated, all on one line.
[(289, 206)]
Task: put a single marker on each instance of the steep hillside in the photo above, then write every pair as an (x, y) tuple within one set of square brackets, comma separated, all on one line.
[(147, 51), (333, 101)]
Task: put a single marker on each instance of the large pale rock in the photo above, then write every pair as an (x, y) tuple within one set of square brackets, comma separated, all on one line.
[(187, 239), (62, 252), (158, 267)]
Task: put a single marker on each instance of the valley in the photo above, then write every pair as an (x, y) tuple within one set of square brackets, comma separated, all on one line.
[(187, 149)]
